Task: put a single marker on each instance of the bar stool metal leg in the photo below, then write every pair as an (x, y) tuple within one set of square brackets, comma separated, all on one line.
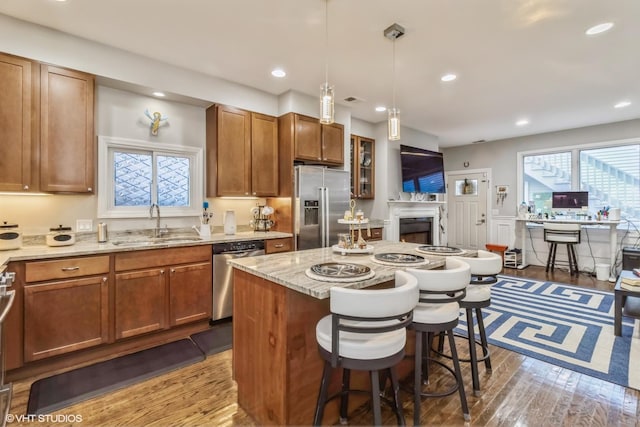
[(344, 398), (483, 340), (322, 395), (473, 357)]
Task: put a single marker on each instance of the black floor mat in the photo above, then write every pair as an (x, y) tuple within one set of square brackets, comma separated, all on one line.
[(56, 392), (214, 340)]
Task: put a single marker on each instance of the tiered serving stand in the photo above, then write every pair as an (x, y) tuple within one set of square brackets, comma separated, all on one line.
[(356, 244)]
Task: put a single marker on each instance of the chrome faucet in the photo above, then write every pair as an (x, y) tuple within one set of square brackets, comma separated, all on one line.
[(157, 232)]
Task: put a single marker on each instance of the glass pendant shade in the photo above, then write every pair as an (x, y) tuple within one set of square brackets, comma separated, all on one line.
[(393, 124), (326, 104)]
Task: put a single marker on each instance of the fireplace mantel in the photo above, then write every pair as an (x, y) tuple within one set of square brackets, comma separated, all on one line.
[(410, 209)]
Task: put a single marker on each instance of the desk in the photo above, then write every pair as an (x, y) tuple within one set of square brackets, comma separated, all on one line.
[(625, 300), (521, 233)]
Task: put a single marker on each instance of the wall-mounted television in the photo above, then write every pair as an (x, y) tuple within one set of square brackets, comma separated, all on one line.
[(569, 199), (422, 170)]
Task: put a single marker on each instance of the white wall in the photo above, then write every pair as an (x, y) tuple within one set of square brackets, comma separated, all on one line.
[(43, 44), (501, 158), (121, 113)]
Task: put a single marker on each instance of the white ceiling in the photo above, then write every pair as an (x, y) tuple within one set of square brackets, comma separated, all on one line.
[(514, 58)]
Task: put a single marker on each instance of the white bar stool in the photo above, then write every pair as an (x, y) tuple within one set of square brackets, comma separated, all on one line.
[(485, 268), (438, 311), (365, 331)]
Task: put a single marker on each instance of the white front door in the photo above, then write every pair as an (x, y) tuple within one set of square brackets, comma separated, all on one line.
[(467, 209)]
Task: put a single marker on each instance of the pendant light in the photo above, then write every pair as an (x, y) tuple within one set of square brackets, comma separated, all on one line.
[(394, 32), (326, 90)]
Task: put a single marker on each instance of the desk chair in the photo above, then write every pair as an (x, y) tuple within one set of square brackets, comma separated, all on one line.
[(366, 331), (564, 234)]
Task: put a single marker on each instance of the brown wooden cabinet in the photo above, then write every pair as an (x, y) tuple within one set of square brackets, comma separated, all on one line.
[(66, 306), (67, 143), (140, 302), (376, 234), (310, 141), (16, 103), (190, 290), (362, 167), (242, 153), (333, 144), (46, 127), (273, 246), (160, 288)]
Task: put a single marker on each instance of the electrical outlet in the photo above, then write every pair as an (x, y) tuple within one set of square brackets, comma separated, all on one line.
[(84, 225)]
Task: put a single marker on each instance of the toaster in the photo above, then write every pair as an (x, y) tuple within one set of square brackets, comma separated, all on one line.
[(10, 236), (60, 236)]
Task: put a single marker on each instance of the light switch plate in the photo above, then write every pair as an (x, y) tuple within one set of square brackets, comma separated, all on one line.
[(84, 225)]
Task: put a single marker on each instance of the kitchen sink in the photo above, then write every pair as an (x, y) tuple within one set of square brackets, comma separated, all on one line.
[(156, 241)]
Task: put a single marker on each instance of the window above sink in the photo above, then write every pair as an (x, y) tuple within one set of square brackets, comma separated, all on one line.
[(132, 175)]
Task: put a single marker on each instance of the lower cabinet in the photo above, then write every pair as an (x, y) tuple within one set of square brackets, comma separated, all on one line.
[(64, 315), (160, 288), (273, 246), (76, 303), (190, 290), (140, 302), (376, 234)]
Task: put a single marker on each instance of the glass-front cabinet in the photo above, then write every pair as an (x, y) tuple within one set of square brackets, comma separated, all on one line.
[(362, 167)]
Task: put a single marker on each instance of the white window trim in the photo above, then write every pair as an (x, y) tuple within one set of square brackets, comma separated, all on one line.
[(574, 159), (106, 209)]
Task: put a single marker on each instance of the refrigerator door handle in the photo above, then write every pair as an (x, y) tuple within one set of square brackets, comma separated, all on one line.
[(324, 212), (326, 217)]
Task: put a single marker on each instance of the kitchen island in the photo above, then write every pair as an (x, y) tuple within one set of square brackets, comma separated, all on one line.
[(276, 307)]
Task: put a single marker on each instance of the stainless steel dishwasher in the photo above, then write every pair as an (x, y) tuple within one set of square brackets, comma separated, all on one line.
[(222, 273)]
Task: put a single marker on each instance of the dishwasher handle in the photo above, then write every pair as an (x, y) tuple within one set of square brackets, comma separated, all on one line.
[(242, 254)]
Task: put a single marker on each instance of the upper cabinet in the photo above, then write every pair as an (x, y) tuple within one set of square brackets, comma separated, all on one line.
[(16, 102), (362, 167), (332, 144), (46, 127), (242, 153), (313, 142), (67, 153)]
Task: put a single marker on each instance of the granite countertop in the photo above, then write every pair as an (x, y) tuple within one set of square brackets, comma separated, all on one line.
[(288, 269), (91, 247)]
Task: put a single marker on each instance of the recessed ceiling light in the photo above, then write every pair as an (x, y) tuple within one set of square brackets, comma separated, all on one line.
[(622, 104), (278, 72), (380, 108), (448, 77), (522, 122), (158, 94), (600, 28)]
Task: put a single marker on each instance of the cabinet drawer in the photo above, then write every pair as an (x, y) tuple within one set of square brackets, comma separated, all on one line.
[(376, 234), (66, 268), (278, 245), (162, 257)]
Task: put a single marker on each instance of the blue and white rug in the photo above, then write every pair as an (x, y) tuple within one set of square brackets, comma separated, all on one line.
[(564, 325)]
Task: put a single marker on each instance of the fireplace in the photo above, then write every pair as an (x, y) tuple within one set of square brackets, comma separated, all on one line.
[(416, 230), (418, 216)]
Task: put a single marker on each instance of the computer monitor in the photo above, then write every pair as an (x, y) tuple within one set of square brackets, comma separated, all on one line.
[(565, 200)]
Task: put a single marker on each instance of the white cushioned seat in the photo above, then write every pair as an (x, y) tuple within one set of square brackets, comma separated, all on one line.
[(370, 335), (437, 312), (484, 264)]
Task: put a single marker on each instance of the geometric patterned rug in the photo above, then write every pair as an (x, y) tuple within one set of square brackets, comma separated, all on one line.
[(564, 325)]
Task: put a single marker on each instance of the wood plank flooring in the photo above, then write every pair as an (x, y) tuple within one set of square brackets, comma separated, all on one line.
[(521, 391)]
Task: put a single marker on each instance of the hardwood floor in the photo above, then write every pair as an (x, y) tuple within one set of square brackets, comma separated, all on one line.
[(521, 391)]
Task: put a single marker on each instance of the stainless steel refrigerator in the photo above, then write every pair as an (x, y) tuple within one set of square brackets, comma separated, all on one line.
[(322, 197)]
